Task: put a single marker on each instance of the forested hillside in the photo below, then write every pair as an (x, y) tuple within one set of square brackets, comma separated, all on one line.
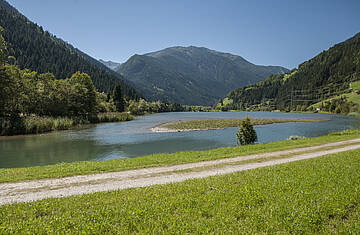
[(191, 75), (7, 6), (29, 46), (323, 82)]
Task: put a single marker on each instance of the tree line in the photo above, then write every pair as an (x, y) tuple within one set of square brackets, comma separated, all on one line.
[(26, 94), (326, 75)]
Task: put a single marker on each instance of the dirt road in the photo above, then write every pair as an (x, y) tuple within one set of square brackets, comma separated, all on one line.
[(39, 189)]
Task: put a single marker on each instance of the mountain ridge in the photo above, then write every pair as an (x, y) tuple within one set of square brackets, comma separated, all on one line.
[(191, 75)]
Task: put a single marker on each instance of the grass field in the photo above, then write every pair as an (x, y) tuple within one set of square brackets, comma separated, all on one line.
[(91, 167), (287, 76), (317, 196), (223, 123)]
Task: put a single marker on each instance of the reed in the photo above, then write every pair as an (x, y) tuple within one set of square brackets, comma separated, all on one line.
[(38, 125)]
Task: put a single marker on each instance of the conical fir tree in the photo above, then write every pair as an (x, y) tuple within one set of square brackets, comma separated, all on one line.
[(118, 99), (246, 133)]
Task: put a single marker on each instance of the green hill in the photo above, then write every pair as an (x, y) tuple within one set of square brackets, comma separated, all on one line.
[(191, 75), (324, 80), (29, 46)]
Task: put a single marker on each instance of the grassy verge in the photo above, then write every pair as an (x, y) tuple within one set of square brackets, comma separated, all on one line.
[(223, 123), (37, 125), (256, 159), (91, 167), (316, 196)]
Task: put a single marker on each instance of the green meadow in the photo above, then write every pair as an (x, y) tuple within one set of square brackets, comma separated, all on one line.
[(316, 196)]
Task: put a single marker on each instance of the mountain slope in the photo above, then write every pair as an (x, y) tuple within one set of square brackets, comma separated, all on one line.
[(29, 46), (110, 64), (328, 74), (191, 75), (7, 6)]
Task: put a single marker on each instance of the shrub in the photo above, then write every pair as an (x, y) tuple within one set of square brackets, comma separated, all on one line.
[(246, 133)]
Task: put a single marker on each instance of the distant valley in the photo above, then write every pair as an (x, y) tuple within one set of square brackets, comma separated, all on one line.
[(110, 64)]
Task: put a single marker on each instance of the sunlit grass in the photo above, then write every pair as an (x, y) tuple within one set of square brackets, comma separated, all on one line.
[(287, 76), (355, 85), (316, 196)]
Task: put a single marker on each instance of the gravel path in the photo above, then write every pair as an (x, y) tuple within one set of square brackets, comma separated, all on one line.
[(39, 189)]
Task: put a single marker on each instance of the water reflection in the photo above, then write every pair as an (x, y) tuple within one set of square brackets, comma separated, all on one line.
[(132, 139)]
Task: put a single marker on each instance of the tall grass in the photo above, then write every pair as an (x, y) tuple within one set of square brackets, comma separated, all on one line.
[(46, 124), (37, 125), (113, 117)]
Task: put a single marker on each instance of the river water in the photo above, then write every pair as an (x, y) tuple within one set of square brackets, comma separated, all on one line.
[(132, 139)]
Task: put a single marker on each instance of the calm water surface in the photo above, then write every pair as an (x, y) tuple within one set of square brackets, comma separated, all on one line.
[(134, 138)]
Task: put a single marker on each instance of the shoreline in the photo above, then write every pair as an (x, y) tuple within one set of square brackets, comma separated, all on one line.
[(47, 124), (159, 129), (162, 129)]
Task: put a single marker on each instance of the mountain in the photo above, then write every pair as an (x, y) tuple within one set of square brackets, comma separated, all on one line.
[(110, 64), (330, 80), (7, 6), (29, 46), (191, 75)]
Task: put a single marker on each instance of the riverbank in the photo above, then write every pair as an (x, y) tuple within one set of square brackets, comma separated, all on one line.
[(213, 124), (94, 167), (63, 187), (39, 125), (309, 196)]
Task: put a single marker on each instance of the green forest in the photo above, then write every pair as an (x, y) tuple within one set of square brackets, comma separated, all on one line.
[(322, 83), (32, 102), (30, 47)]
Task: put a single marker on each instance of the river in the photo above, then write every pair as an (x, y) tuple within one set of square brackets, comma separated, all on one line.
[(132, 139)]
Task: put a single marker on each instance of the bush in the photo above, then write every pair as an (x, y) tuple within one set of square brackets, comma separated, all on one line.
[(246, 133)]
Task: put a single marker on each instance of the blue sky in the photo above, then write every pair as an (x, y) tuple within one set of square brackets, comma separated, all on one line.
[(268, 32)]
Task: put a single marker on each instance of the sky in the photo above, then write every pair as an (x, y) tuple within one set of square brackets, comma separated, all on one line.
[(265, 32)]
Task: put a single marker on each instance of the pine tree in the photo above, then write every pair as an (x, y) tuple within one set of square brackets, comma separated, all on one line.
[(246, 133), (118, 99)]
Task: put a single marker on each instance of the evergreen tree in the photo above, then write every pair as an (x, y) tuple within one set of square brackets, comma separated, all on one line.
[(2, 48), (246, 133), (4, 79), (30, 47), (118, 99)]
